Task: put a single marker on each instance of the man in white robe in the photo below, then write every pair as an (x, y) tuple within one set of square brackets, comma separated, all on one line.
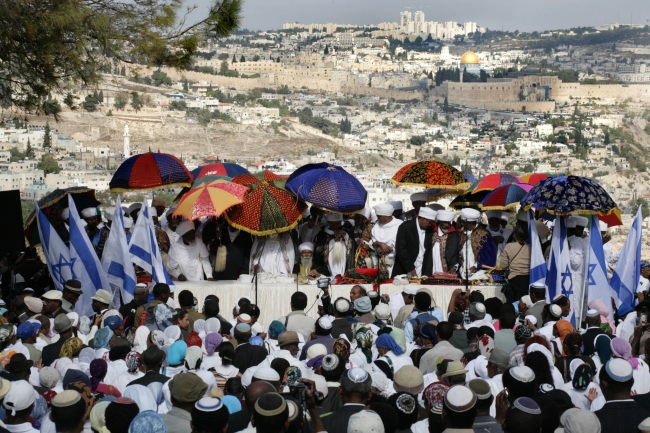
[(608, 249), (384, 234), (189, 259), (577, 254), (273, 254), (496, 226)]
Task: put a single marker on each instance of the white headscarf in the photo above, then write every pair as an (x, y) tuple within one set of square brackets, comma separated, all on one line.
[(199, 327), (211, 325), (208, 378), (173, 333), (140, 339), (142, 396)]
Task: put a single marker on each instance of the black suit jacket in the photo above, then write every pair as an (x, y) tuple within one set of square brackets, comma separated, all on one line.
[(237, 257), (247, 355), (238, 421), (338, 421), (407, 248), (452, 249), (588, 340), (150, 377), (51, 352), (621, 416)]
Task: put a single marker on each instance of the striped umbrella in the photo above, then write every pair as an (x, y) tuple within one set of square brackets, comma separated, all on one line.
[(150, 171), (505, 197), (210, 199)]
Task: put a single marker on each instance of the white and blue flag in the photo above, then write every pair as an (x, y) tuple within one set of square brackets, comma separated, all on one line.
[(597, 282), (628, 269), (538, 267), (116, 259), (57, 254), (144, 248), (87, 266), (559, 279)]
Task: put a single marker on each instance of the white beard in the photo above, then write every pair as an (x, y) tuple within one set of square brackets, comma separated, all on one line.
[(220, 261), (306, 262), (338, 252)]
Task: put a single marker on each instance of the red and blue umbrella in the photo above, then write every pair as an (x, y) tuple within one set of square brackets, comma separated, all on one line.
[(493, 181), (505, 197), (329, 187), (222, 169), (150, 171)]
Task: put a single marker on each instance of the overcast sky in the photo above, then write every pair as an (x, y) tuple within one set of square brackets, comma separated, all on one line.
[(523, 15)]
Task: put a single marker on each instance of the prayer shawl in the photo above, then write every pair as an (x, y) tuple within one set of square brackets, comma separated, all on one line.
[(387, 233), (190, 260), (445, 257), (481, 250), (274, 254)]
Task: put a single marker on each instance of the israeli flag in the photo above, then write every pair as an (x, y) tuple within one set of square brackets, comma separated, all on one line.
[(628, 269), (597, 282), (87, 266), (144, 248), (57, 255), (559, 279), (116, 259), (538, 267)]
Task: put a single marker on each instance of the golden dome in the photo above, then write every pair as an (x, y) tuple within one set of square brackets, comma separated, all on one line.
[(469, 58)]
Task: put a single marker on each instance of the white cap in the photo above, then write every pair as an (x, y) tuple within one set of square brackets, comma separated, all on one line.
[(469, 214), (89, 212), (266, 373), (418, 196), (593, 313), (581, 221), (571, 223), (505, 216), (306, 246), (65, 214), (184, 227), (18, 279), (427, 213), (603, 226), (522, 215), (324, 322), (410, 289), (128, 222), (108, 212), (493, 214), (334, 217), (555, 310), (21, 396), (397, 204), (315, 350), (445, 215), (365, 421), (385, 209), (365, 212)]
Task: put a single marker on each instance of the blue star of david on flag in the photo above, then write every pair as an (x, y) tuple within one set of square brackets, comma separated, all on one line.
[(592, 268), (567, 275), (56, 269)]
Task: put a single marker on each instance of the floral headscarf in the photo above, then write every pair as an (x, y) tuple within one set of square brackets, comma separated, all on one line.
[(291, 376), (434, 395), (86, 394), (163, 315), (364, 338), (71, 348), (275, 329), (133, 361), (341, 347), (193, 339)]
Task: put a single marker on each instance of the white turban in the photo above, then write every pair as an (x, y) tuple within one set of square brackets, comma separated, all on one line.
[(306, 246), (446, 215), (385, 209), (579, 220), (493, 214), (365, 212), (469, 214), (108, 212), (89, 212), (418, 196), (184, 227), (397, 204), (603, 226), (65, 214), (427, 213), (128, 222)]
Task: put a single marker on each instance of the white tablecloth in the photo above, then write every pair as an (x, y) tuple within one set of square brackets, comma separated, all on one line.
[(274, 299)]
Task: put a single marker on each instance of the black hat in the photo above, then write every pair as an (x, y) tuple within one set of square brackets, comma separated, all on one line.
[(73, 286), (153, 356), (19, 363)]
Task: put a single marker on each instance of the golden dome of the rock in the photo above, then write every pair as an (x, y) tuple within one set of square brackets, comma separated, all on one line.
[(469, 58)]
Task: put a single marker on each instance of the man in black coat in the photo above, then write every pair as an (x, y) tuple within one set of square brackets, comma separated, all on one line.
[(593, 331), (355, 389), (152, 360), (247, 355), (232, 251), (413, 245), (63, 327), (446, 243), (621, 413)]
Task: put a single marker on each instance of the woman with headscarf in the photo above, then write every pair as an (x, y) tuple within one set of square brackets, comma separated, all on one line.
[(147, 422), (173, 334), (477, 367), (537, 343), (226, 370), (103, 341), (212, 325), (341, 347), (176, 359), (133, 362), (571, 345), (98, 369), (97, 420), (391, 353), (141, 339), (622, 349), (163, 317), (603, 351), (434, 396), (584, 393), (199, 328), (158, 338), (560, 330), (142, 396), (212, 342), (426, 339), (193, 358), (275, 329), (363, 337), (602, 309), (71, 348)]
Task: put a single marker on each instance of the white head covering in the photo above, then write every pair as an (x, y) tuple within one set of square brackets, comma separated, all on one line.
[(184, 227), (365, 212), (134, 206), (142, 396), (418, 196), (603, 226), (522, 215), (212, 325), (89, 212), (527, 301), (65, 214), (306, 246), (536, 347), (571, 223), (397, 204), (384, 209), (108, 212), (140, 339), (427, 213), (469, 214), (445, 215), (128, 222), (173, 333)]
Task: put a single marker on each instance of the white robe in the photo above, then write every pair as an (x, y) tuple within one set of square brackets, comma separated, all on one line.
[(387, 233), (468, 256), (271, 257), (190, 260), (419, 260), (337, 268), (577, 256)]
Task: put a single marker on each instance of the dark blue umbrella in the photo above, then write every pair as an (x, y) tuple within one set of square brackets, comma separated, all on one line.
[(329, 187)]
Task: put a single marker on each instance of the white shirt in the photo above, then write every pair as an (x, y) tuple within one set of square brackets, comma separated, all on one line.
[(271, 255), (191, 260), (420, 258), (468, 255), (337, 268), (116, 369), (580, 401), (125, 378), (285, 354), (386, 233), (398, 361), (22, 428)]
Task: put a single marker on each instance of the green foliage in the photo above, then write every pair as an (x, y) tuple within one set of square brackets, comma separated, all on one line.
[(29, 150), (16, 155), (159, 78), (242, 59), (437, 151), (327, 127), (418, 140), (27, 206), (136, 101), (109, 113), (222, 56), (90, 103), (178, 105), (121, 99), (74, 41), (447, 75), (346, 126), (645, 209), (48, 164), (47, 138)]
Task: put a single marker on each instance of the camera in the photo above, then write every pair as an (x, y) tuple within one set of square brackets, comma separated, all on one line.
[(323, 283)]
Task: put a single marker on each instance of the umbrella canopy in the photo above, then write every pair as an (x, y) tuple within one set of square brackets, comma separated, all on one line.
[(505, 197), (612, 219), (566, 195), (534, 178), (436, 193), (150, 171), (430, 174), (210, 199), (268, 207), (329, 187), (493, 181), (468, 199), (223, 169), (83, 198)]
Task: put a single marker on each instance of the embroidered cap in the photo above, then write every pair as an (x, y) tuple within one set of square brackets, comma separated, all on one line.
[(357, 375), (460, 398), (527, 405)]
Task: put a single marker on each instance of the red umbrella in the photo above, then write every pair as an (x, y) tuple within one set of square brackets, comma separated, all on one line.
[(493, 181), (149, 171), (534, 178)]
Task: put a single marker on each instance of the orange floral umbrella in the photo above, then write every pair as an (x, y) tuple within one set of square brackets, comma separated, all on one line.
[(210, 199), (430, 174)]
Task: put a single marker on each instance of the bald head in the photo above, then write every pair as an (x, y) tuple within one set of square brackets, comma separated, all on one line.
[(257, 389)]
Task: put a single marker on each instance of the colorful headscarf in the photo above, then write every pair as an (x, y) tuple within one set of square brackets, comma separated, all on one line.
[(485, 345), (434, 394), (582, 377), (275, 329), (602, 309), (291, 376), (364, 338), (86, 394), (158, 338), (621, 348), (212, 342), (386, 341), (102, 338), (193, 339), (176, 353), (133, 361), (98, 369), (6, 331), (603, 349), (341, 347), (71, 348), (163, 316), (398, 336)]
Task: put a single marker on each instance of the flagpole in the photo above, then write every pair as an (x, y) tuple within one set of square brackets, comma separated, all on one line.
[(585, 283)]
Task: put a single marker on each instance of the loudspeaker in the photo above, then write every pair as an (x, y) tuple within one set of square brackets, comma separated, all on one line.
[(12, 239)]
